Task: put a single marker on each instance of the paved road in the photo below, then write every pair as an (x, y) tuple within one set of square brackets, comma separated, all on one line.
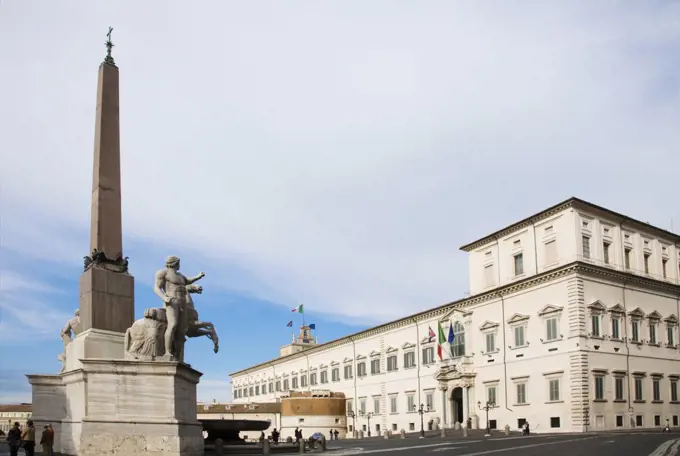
[(605, 444), (614, 444)]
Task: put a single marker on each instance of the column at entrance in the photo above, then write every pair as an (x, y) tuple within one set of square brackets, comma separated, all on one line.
[(466, 404), (444, 389)]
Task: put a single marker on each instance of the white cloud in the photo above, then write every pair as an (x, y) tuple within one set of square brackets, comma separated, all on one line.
[(27, 309), (341, 152)]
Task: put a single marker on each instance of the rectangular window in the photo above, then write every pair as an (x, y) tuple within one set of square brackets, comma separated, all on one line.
[(490, 342), (285, 385), (257, 390), (278, 385), (348, 372), (635, 333), (429, 400), (489, 275), (554, 393), (361, 370), (428, 355), (519, 336), (335, 374), (376, 405), (521, 393), (618, 388), (550, 252), (626, 258), (410, 403), (555, 422), (605, 251), (519, 264), (409, 360), (599, 387), (652, 333), (615, 328), (551, 328), (585, 242), (312, 379), (324, 376), (362, 406), (646, 260), (303, 380), (393, 404), (664, 265), (294, 382), (670, 333), (350, 405), (619, 420), (375, 366), (638, 389), (491, 394), (271, 387), (391, 363), (656, 390), (595, 325), (674, 390)]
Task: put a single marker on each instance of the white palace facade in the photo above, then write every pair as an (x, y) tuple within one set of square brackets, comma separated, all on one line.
[(572, 325)]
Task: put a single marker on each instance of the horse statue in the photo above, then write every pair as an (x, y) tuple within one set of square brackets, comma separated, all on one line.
[(196, 327)]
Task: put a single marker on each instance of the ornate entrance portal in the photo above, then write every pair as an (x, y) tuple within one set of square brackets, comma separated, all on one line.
[(456, 380)]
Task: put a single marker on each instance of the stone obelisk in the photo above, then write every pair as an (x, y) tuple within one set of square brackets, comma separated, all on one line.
[(106, 288)]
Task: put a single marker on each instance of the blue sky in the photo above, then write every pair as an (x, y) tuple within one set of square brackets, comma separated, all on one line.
[(334, 154)]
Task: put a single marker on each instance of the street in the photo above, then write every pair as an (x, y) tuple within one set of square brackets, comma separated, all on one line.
[(612, 444)]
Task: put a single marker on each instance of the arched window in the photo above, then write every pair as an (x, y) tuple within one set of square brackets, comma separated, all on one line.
[(459, 339)]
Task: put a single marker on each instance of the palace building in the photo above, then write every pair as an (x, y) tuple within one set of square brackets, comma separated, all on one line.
[(572, 325)]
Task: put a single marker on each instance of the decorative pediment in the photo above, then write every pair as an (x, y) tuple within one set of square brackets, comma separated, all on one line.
[(294, 373), (671, 320), (323, 366), (334, 363), (550, 310), (597, 306), (488, 326), (285, 375), (617, 308), (361, 357), (456, 314), (427, 340), (347, 360), (407, 345), (303, 371), (313, 369), (374, 353), (517, 318), (636, 313), (392, 349), (654, 316)]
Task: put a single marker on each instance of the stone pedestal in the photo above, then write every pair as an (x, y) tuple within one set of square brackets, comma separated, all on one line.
[(121, 407), (107, 300), (94, 343)]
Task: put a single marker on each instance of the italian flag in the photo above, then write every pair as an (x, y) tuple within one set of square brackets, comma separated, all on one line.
[(441, 341), (299, 309)]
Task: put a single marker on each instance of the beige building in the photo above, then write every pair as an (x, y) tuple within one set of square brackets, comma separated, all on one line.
[(572, 325), (9, 414), (311, 411)]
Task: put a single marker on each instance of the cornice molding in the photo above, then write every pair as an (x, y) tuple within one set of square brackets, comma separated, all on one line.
[(588, 270)]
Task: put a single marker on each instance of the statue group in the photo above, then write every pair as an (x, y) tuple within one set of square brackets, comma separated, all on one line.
[(161, 334)]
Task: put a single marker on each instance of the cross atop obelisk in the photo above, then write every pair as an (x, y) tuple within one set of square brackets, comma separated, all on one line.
[(106, 288)]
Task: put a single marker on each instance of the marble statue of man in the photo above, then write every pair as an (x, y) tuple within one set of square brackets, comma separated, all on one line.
[(171, 287), (71, 328)]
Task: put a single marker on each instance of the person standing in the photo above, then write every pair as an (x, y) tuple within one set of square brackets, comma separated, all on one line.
[(14, 439), (47, 440), (28, 436)]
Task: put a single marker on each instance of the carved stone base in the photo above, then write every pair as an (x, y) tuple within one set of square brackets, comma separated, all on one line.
[(93, 343), (121, 407)]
